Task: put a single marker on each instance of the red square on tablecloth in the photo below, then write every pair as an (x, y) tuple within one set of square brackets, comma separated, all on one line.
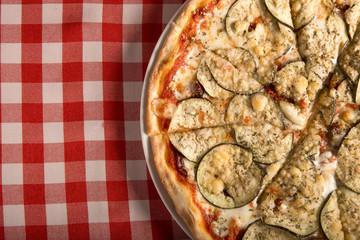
[(115, 150), (31, 33), (72, 32), (74, 147), (32, 112), (78, 231), (117, 191), (34, 194), (112, 32), (76, 192), (31, 72), (33, 153)]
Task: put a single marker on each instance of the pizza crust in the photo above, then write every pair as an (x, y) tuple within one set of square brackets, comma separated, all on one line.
[(161, 68), (181, 195)]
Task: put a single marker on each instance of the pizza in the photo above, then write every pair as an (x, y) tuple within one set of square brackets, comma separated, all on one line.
[(253, 115)]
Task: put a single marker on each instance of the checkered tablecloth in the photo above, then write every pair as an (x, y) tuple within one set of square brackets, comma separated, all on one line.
[(72, 164)]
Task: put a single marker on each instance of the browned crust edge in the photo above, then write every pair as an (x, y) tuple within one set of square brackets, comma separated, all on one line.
[(165, 61), (180, 194), (161, 68)]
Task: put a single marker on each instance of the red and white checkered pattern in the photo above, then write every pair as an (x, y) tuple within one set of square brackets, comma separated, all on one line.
[(71, 160)]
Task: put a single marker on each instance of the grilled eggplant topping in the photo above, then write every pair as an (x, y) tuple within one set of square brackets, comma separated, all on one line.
[(267, 144), (210, 85), (194, 144), (227, 176), (249, 25), (326, 106), (321, 42), (239, 80), (261, 231), (280, 10), (330, 218), (293, 199), (352, 17), (315, 84), (293, 113), (349, 204), (348, 169), (255, 109), (291, 81), (303, 12), (349, 59), (241, 58), (194, 113)]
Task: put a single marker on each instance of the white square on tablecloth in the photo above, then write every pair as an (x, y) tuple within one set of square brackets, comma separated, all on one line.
[(132, 131), (92, 12), (11, 92), (12, 174), (95, 170), (168, 11), (94, 130), (93, 91), (52, 52), (56, 214), (52, 92), (11, 133), (92, 51), (132, 91), (132, 13), (14, 215), (139, 210), (10, 52), (53, 132), (98, 212), (136, 170), (54, 172), (10, 14), (52, 13), (132, 52)]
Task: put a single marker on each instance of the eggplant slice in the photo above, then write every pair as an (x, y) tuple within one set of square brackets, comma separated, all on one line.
[(257, 34), (330, 218), (357, 93), (194, 113), (303, 12), (227, 177), (267, 144), (349, 204), (349, 60), (210, 85), (240, 79), (261, 231), (293, 199), (321, 42), (291, 81), (348, 169), (281, 11), (194, 144), (257, 108)]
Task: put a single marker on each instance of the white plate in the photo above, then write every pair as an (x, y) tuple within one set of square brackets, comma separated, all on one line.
[(145, 138)]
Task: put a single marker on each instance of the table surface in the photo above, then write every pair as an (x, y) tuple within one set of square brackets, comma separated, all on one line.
[(72, 164)]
